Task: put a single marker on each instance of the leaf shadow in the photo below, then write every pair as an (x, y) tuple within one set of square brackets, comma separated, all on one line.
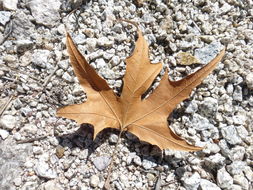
[(82, 138)]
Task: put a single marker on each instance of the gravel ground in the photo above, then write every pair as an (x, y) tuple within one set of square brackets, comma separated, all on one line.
[(40, 151)]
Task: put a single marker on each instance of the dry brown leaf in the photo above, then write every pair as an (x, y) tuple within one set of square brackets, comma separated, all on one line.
[(147, 118)]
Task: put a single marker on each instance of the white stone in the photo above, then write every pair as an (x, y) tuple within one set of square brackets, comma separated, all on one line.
[(224, 179), (8, 122), (100, 63), (209, 106), (40, 58), (29, 128), (4, 17), (192, 183), (23, 45), (249, 80), (94, 181), (45, 12), (237, 153), (207, 53), (91, 44), (236, 167), (192, 107), (67, 77), (64, 64), (207, 185), (10, 4), (137, 160), (17, 181), (37, 150), (124, 180), (214, 160), (230, 134), (77, 91), (200, 123), (237, 95), (225, 8), (147, 164), (113, 138), (101, 162), (105, 42), (242, 181), (42, 169), (4, 134), (248, 173), (52, 185)]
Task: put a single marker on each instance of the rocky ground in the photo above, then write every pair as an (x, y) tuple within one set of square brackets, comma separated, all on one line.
[(41, 151)]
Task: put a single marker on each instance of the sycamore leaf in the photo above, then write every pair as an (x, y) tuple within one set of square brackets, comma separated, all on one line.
[(147, 118)]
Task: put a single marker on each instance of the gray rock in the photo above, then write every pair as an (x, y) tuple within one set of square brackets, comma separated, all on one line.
[(4, 17), (8, 122), (64, 64), (207, 185), (209, 106), (180, 171), (236, 167), (10, 4), (206, 54), (17, 181), (242, 132), (51, 185), (101, 162), (237, 153), (231, 135), (107, 56), (45, 12), (67, 77), (113, 139), (242, 181), (105, 42), (91, 44), (12, 158), (40, 58), (211, 148), (137, 160), (22, 26), (115, 60), (249, 80), (17, 103), (74, 4), (236, 187), (42, 169), (193, 182), (147, 164), (77, 91), (225, 8), (230, 89), (23, 45), (100, 63), (248, 173), (200, 123), (214, 160), (192, 107), (224, 147), (224, 179), (237, 95), (4, 134), (94, 181), (239, 119), (80, 39)]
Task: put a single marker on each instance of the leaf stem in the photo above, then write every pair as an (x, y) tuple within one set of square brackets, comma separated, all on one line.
[(107, 185)]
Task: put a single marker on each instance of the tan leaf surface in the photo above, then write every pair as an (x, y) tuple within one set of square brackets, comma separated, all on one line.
[(147, 118)]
